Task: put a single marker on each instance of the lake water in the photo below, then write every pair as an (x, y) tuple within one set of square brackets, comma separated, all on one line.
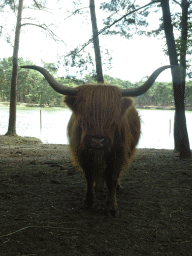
[(157, 126)]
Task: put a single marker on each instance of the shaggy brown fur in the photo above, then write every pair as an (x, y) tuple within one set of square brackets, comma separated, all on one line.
[(100, 110)]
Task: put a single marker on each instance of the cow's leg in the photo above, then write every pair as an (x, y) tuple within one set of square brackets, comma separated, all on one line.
[(112, 173), (86, 162), (111, 198), (90, 194), (112, 176)]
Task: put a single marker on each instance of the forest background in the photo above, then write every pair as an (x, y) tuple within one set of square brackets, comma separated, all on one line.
[(32, 87)]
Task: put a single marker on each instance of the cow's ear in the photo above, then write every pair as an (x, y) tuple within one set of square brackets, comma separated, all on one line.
[(71, 102), (126, 103)]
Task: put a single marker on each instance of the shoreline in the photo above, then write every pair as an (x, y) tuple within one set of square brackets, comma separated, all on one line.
[(147, 107), (11, 142)]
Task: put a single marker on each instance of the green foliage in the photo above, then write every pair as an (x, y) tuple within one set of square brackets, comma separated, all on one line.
[(161, 93), (188, 93), (11, 4), (33, 88), (129, 25), (118, 82)]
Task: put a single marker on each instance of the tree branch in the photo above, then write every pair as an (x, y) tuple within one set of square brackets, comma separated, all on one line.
[(39, 6), (107, 27), (45, 27), (177, 2), (76, 11)]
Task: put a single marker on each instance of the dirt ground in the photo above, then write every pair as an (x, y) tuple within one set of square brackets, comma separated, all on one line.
[(41, 210)]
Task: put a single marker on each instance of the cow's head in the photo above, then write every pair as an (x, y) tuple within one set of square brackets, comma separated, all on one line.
[(98, 110)]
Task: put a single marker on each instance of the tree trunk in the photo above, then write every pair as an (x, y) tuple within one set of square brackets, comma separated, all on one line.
[(184, 21), (180, 129), (183, 143), (13, 96), (96, 43)]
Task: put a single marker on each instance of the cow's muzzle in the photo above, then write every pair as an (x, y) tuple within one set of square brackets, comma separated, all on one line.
[(97, 142)]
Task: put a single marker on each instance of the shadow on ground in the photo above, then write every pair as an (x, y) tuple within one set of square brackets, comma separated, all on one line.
[(41, 211)]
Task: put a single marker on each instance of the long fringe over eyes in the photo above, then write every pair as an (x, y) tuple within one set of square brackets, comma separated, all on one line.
[(99, 108)]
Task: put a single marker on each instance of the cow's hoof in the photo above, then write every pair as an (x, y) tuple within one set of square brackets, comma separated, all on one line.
[(88, 202), (119, 188), (114, 213)]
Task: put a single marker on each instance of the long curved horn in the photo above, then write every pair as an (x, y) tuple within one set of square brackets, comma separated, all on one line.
[(65, 90), (143, 88)]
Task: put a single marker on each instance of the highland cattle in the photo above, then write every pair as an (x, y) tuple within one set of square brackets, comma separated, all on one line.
[(103, 131)]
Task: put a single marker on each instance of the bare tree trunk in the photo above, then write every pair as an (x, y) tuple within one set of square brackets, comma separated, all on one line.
[(96, 43), (184, 33), (180, 129), (13, 96), (182, 145)]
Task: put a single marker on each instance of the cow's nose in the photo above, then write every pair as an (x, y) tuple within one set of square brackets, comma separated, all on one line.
[(97, 142)]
